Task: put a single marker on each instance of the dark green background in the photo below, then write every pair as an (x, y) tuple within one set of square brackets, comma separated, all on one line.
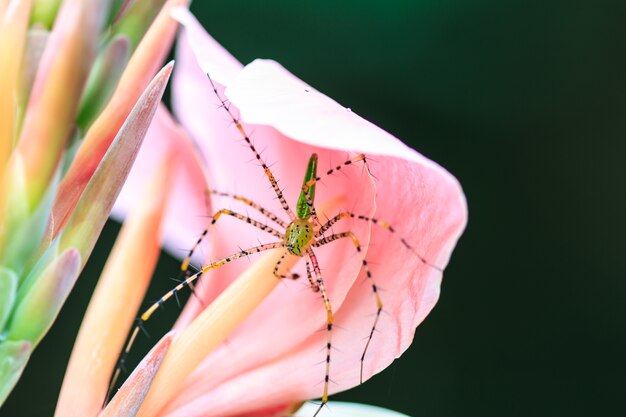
[(524, 102)]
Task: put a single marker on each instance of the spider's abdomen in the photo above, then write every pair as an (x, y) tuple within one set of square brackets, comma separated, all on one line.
[(298, 236)]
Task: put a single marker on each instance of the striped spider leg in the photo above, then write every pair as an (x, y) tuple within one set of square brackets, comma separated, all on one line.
[(187, 282), (321, 240)]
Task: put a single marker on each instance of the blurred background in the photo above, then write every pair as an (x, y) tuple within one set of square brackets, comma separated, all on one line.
[(525, 103)]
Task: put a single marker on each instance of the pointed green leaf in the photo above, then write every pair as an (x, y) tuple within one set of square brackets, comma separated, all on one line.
[(35, 267), (13, 358), (118, 8), (24, 229), (44, 12), (103, 79), (8, 292), (136, 19), (88, 218), (38, 308)]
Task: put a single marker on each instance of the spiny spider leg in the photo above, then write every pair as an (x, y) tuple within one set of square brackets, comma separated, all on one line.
[(306, 186), (184, 273), (293, 276), (309, 275), (360, 157), (252, 204), (185, 265), (379, 303), (268, 173), (309, 203), (329, 323), (145, 316), (378, 222)]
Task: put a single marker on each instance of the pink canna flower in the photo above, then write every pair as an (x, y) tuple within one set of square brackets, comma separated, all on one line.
[(249, 343)]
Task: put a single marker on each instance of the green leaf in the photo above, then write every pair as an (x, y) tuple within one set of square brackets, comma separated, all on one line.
[(102, 80), (39, 306), (136, 20), (44, 12), (8, 292), (13, 358), (24, 230)]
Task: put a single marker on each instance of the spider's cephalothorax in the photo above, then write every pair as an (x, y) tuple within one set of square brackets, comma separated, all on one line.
[(299, 234)]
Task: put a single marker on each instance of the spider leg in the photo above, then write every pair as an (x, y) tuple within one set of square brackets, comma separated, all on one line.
[(145, 316), (183, 275), (379, 304), (306, 186), (185, 265), (293, 276), (358, 158), (314, 285), (309, 203), (377, 222), (252, 204), (329, 323), (268, 172)]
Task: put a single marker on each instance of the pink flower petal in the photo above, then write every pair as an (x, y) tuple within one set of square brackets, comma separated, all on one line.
[(409, 291), (271, 359), (130, 396), (267, 94), (186, 213)]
